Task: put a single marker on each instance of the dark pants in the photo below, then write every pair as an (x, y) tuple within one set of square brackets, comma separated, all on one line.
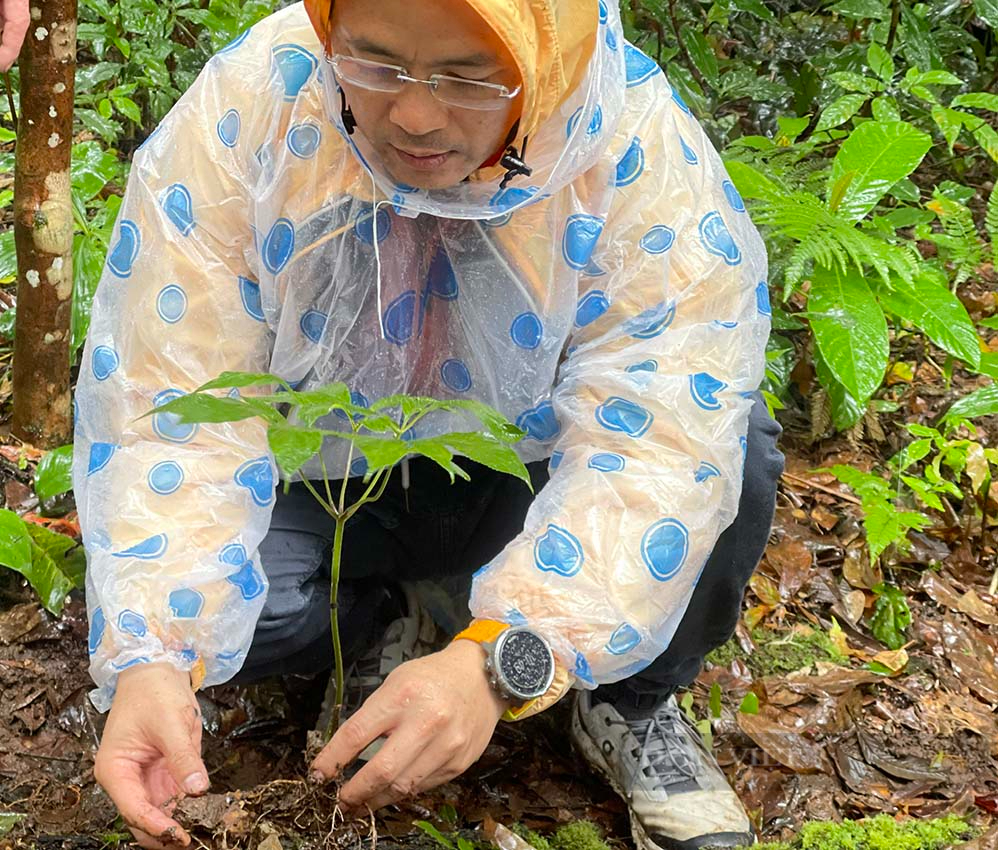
[(445, 532)]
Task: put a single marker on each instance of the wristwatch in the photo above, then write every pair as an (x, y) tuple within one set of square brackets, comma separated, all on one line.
[(520, 665)]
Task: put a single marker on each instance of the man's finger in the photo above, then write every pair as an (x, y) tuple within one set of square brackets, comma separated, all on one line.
[(375, 717), (123, 784), (15, 26), (180, 742), (389, 771), (423, 774)]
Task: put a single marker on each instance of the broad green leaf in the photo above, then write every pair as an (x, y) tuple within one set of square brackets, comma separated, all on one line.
[(201, 407), (850, 330), (436, 451), (8, 319), (313, 404), (851, 81), (881, 154), (750, 704), (409, 405), (840, 110), (987, 137), (982, 402), (129, 108), (880, 62), (88, 262), (379, 451), (977, 100), (918, 40), (837, 192), (293, 446), (701, 52), (950, 122), (57, 566), (891, 616), (929, 305), (752, 183), (755, 7), (987, 11), (906, 190), (496, 424), (488, 451), (242, 379), (8, 256), (54, 473), (862, 10), (846, 410), (885, 109), (15, 544), (912, 453), (937, 77), (923, 490), (988, 365)]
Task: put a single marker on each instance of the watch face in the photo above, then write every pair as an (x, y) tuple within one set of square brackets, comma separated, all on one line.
[(525, 663)]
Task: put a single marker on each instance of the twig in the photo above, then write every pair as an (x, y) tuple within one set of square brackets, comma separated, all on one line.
[(895, 20), (845, 497), (682, 47)]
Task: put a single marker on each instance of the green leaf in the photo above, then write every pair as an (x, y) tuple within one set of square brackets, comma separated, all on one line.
[(202, 407), (912, 453), (7, 320), (715, 701), (752, 183), (923, 491), (8, 256), (379, 451), (850, 330), (982, 402), (42, 557), (846, 410), (293, 446), (840, 110), (861, 10), (929, 305), (880, 62), (977, 100), (937, 77), (243, 379), (881, 154), (750, 704), (891, 616), (314, 404), (15, 544), (950, 122), (851, 81), (8, 821), (885, 525), (129, 108), (488, 451), (54, 474), (885, 109), (701, 53), (495, 423), (435, 834), (988, 365), (987, 11), (436, 451)]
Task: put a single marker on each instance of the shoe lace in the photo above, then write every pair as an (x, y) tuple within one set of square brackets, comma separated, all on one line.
[(667, 754)]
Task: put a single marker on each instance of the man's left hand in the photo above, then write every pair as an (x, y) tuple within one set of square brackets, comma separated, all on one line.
[(438, 713)]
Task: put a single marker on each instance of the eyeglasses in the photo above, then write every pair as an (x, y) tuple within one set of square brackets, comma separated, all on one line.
[(454, 91)]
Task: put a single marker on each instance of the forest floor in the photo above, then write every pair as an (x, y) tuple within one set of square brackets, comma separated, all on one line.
[(844, 728)]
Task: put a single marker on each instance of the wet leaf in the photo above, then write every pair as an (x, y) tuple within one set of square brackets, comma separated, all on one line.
[(893, 660), (977, 609), (294, 446), (8, 821), (750, 703), (765, 589), (792, 561), (854, 603), (787, 746), (891, 616), (54, 473)]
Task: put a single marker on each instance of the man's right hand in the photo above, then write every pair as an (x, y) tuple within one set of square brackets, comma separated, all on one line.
[(150, 754)]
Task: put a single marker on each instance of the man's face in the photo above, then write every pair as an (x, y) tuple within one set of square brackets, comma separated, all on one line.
[(418, 139)]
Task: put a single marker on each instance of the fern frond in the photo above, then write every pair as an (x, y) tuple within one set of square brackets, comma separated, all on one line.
[(991, 223), (959, 237)]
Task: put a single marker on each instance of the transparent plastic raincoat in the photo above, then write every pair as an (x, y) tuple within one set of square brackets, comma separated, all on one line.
[(612, 303)]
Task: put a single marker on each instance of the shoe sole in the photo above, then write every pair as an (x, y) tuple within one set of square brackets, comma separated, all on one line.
[(594, 756)]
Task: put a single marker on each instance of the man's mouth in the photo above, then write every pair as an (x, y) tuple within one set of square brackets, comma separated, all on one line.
[(422, 160)]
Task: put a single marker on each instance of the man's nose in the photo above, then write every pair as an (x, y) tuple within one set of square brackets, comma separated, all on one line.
[(417, 112)]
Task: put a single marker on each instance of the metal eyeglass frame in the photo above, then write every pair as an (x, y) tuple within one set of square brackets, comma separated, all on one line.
[(503, 99)]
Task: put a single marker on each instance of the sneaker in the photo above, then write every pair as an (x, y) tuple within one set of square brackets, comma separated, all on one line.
[(412, 635), (677, 795)]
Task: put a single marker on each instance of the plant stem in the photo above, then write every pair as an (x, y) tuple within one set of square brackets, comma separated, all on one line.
[(329, 509), (334, 583)]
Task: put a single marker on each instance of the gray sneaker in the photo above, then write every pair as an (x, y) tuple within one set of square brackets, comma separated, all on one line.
[(677, 795), (413, 635)]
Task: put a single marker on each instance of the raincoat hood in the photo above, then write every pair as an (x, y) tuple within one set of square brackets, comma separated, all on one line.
[(573, 82)]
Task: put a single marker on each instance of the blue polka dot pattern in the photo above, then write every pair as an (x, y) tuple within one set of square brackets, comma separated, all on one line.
[(257, 476), (611, 39), (607, 462), (762, 298), (168, 425), (556, 458), (358, 399), (677, 99), (623, 640), (526, 330), (731, 193), (249, 293), (649, 365), (132, 624), (399, 318), (228, 128), (146, 550), (658, 239), (717, 240), (442, 279), (294, 65), (603, 12), (455, 375), (726, 325), (248, 581), (631, 164), (539, 422), (703, 388), (558, 551), (189, 655), (96, 635), (312, 324), (186, 603), (165, 477), (233, 554), (171, 303), (363, 226), (239, 39), (595, 122), (591, 306), (664, 548), (506, 199), (624, 416), (688, 153), (705, 471), (179, 207), (303, 140), (358, 467), (279, 245), (652, 322), (639, 67), (582, 670), (581, 234), (100, 456), (142, 659), (122, 256), (103, 362)]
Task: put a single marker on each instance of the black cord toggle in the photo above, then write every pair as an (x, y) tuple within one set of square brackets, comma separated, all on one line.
[(346, 114), (514, 164)]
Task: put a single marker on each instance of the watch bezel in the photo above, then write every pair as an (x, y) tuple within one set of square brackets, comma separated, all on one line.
[(504, 684)]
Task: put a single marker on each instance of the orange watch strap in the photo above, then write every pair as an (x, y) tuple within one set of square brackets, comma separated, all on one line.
[(482, 631)]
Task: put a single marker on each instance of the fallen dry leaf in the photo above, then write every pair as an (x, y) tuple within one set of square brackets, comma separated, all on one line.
[(788, 746)]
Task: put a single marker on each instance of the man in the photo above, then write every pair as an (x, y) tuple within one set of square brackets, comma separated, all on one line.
[(13, 26), (458, 198)]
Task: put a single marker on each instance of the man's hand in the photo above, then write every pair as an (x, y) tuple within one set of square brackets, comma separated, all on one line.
[(439, 713), (150, 755), (14, 23)]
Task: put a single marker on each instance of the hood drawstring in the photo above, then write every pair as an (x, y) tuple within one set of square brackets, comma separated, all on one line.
[(346, 114), (514, 164)]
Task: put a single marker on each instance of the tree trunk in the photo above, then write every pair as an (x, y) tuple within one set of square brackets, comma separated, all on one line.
[(43, 226)]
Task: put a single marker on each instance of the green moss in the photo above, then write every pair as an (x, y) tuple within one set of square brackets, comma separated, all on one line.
[(780, 652), (878, 833), (578, 835)]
